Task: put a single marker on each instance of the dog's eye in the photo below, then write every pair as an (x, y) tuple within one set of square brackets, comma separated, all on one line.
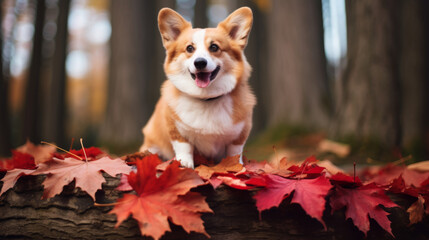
[(213, 47), (190, 49)]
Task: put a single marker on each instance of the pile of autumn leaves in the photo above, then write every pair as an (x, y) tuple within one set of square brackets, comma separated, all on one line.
[(156, 192)]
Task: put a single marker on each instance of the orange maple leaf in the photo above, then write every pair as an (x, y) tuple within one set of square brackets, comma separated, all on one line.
[(261, 167), (88, 175), (416, 210), (161, 198), (229, 164), (41, 153)]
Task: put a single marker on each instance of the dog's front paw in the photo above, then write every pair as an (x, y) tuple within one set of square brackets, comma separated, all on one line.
[(186, 161), (184, 153), (234, 150)]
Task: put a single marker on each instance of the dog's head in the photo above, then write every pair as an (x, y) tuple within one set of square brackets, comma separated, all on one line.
[(205, 63)]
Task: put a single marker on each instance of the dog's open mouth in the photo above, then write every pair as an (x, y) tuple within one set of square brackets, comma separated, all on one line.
[(203, 79)]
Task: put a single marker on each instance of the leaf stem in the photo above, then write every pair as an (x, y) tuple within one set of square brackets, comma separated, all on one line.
[(71, 144), (74, 155), (105, 204), (304, 165), (83, 149), (402, 160), (354, 172)]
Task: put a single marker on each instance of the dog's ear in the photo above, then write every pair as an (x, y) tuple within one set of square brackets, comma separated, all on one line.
[(171, 24), (238, 25)]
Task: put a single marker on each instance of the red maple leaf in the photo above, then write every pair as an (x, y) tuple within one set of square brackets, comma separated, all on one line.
[(361, 203), (309, 193), (18, 160), (345, 180), (88, 175), (308, 167), (237, 181), (91, 153), (398, 186), (385, 175), (19, 165), (161, 198)]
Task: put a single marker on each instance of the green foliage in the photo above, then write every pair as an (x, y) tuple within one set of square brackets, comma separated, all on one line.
[(262, 145), (120, 149), (369, 150), (372, 150), (370, 147), (417, 149), (277, 134)]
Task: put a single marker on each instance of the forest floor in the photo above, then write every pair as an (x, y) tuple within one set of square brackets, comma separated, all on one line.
[(296, 144)]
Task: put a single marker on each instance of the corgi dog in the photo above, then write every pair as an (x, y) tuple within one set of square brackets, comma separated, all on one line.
[(206, 104)]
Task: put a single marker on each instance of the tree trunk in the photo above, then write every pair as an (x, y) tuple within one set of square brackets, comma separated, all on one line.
[(368, 96), (200, 14), (133, 79), (297, 74), (32, 117), (426, 85), (54, 122), (256, 54), (414, 73), (72, 215), (5, 134)]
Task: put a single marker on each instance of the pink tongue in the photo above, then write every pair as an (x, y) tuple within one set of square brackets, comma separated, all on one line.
[(202, 79)]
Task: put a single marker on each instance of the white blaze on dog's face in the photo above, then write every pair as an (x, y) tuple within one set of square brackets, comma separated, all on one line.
[(205, 63)]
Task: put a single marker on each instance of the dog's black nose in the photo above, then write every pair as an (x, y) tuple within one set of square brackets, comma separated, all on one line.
[(200, 63)]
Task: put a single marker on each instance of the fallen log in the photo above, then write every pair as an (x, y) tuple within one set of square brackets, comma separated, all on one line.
[(72, 215)]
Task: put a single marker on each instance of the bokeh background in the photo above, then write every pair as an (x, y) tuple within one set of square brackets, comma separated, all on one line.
[(355, 72)]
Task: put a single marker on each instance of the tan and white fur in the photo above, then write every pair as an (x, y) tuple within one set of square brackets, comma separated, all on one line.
[(206, 104)]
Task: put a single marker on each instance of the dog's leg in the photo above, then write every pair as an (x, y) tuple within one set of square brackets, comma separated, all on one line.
[(234, 150), (151, 149), (184, 153), (236, 147)]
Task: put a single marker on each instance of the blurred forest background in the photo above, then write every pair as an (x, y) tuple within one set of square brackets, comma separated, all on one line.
[(352, 71)]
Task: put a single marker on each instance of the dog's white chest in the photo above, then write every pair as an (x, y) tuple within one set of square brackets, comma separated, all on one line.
[(208, 125)]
